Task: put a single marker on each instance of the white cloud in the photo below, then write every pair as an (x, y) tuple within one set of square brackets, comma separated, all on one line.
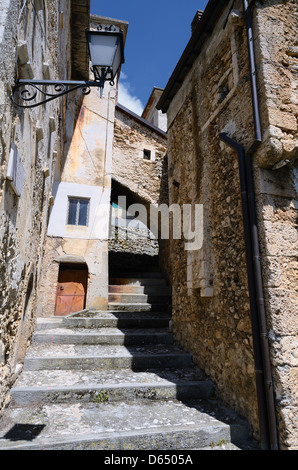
[(127, 99)]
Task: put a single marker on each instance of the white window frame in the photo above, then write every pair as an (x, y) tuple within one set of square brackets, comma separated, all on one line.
[(78, 198)]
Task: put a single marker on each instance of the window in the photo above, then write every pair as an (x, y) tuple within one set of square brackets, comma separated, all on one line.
[(147, 154), (78, 211)]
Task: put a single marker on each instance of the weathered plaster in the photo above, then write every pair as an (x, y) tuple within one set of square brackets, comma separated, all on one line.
[(35, 134)]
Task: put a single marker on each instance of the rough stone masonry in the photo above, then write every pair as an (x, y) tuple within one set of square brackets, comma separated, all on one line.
[(211, 308)]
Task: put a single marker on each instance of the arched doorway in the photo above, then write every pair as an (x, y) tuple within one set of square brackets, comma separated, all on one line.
[(71, 288), (132, 246)]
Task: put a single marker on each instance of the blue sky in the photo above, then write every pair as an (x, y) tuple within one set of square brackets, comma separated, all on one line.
[(158, 33)]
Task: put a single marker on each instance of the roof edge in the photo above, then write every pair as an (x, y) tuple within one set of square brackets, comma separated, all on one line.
[(151, 96), (141, 120), (201, 32)]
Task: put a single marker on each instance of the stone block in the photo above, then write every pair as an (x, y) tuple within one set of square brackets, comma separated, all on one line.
[(2, 94), (281, 239), (286, 351), (2, 353), (271, 183), (46, 71), (281, 306), (283, 119), (27, 71), (23, 55)]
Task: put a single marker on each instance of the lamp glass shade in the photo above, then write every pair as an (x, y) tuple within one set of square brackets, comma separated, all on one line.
[(106, 49)]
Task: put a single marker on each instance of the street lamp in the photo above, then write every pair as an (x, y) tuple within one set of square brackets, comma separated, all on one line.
[(106, 51)]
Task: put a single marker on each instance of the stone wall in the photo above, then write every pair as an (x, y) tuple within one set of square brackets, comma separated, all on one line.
[(31, 137), (146, 178), (211, 310), (275, 27), (143, 181), (133, 240), (83, 171), (59, 250), (276, 178)]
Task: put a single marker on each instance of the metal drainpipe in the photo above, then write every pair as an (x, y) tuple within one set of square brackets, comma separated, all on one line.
[(259, 374), (255, 236), (253, 74), (265, 393), (261, 307)]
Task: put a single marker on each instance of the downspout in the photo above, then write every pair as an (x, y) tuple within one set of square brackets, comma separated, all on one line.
[(265, 393), (253, 73), (255, 236), (261, 307), (259, 372)]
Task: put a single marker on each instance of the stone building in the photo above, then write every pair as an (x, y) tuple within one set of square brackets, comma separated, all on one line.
[(139, 175), (152, 114), (57, 175), (33, 40), (77, 250), (113, 153), (232, 149)]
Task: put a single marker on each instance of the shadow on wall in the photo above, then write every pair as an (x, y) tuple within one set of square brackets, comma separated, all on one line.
[(147, 260), (120, 263)]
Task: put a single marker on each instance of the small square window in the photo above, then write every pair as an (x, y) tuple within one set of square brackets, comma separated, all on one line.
[(78, 211), (147, 154)]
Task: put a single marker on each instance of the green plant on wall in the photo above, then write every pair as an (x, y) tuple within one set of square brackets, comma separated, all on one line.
[(101, 397)]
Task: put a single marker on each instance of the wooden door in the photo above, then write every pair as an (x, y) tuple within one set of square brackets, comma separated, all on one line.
[(71, 290)]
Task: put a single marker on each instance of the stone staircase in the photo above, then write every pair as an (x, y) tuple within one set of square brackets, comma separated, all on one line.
[(142, 291), (115, 380)]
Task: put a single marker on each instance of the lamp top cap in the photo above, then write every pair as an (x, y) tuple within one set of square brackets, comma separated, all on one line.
[(108, 28)]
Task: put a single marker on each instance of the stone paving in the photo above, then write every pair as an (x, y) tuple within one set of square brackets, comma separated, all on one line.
[(79, 391)]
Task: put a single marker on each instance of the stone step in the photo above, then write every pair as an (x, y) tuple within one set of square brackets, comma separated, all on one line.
[(139, 298), (139, 289), (56, 356), (48, 323), (137, 307), (110, 336), (109, 386), (158, 425), (106, 319)]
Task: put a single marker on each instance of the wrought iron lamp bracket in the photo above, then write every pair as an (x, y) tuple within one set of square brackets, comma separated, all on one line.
[(26, 92), (32, 93)]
